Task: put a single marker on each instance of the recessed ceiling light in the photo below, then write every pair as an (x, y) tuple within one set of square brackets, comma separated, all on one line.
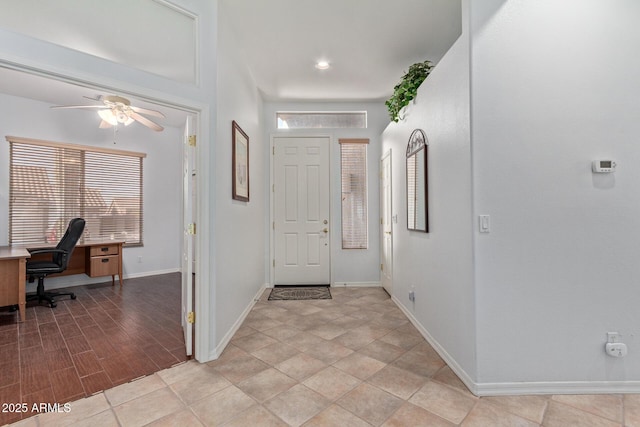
[(322, 65)]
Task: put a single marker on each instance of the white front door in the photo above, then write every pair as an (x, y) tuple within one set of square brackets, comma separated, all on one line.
[(301, 210), (386, 256), (188, 199)]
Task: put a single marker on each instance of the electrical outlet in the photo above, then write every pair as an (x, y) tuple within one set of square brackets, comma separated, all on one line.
[(616, 349)]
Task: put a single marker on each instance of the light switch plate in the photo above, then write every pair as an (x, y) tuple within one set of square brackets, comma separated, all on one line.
[(485, 223)]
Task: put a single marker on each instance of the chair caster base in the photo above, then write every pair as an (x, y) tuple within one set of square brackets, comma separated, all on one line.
[(49, 297)]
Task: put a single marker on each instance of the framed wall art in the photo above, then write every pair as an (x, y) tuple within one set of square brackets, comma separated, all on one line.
[(240, 148)]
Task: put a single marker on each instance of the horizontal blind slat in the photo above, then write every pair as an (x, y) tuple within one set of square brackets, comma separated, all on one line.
[(354, 195), (51, 183)]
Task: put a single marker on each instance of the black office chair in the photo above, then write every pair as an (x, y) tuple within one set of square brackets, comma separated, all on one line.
[(60, 256)]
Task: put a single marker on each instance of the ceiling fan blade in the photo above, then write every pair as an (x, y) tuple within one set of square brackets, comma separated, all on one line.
[(148, 123), (147, 112), (104, 125), (57, 107)]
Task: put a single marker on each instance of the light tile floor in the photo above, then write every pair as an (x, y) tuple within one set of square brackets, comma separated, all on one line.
[(354, 360)]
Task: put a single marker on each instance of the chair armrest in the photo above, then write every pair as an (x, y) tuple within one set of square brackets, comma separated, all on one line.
[(48, 251)]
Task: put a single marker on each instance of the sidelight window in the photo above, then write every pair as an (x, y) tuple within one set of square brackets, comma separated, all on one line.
[(353, 159)]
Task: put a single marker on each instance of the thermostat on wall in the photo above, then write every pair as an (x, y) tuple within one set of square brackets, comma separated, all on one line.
[(603, 166)]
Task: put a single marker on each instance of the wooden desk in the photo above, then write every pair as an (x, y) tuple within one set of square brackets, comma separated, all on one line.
[(12, 277), (93, 258)]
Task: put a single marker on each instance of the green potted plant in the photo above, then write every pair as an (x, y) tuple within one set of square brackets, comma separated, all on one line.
[(407, 89)]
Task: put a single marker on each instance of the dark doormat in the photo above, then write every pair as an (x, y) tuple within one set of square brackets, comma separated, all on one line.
[(299, 293)]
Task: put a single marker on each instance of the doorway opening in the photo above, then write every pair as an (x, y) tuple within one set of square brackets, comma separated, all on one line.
[(199, 156)]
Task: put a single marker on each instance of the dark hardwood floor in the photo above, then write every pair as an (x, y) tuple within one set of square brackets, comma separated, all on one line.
[(107, 336)]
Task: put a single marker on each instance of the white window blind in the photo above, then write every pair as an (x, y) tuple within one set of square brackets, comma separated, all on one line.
[(353, 159), (50, 183)]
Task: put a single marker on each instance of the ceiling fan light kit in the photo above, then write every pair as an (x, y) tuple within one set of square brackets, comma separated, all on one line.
[(112, 118), (118, 110)]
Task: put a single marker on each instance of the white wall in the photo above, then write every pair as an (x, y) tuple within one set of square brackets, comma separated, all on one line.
[(239, 228), (439, 264), (555, 86), (348, 266), (162, 176)]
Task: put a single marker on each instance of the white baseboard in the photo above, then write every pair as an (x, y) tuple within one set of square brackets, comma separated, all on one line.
[(81, 279), (150, 273), (453, 364), (557, 387), (356, 285), (227, 337), (521, 388)]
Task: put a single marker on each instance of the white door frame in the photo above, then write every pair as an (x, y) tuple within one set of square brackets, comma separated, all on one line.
[(386, 156), (202, 214), (332, 222), (188, 218)]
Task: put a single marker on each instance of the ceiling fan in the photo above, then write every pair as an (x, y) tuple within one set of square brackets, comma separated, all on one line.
[(118, 110)]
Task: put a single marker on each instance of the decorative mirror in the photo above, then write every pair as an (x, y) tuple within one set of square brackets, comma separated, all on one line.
[(417, 206)]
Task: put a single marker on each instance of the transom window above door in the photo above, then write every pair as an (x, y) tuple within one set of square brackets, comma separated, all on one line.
[(321, 119)]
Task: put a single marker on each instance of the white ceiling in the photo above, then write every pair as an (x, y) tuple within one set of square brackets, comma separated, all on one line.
[(369, 43), (54, 92)]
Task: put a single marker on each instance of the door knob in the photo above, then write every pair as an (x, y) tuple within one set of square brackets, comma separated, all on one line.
[(326, 230)]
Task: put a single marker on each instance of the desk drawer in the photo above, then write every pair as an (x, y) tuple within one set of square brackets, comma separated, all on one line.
[(103, 250), (104, 266), (9, 281)]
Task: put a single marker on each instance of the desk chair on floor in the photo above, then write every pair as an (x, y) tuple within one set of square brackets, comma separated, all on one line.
[(60, 256)]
